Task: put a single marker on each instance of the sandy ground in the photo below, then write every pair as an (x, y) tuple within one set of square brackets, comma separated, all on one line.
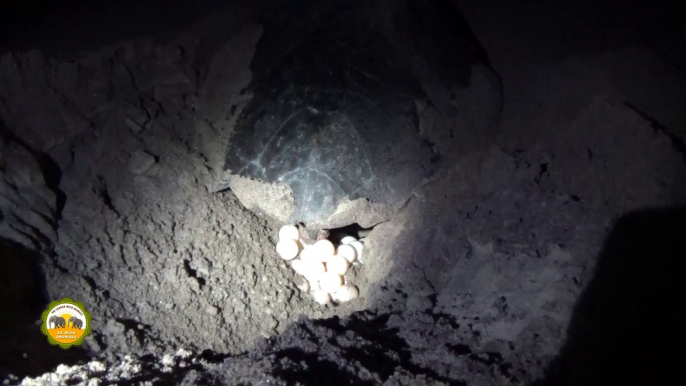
[(503, 273)]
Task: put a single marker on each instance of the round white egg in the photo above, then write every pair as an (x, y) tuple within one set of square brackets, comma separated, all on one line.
[(289, 232), (304, 285), (299, 266), (325, 249), (288, 249), (314, 270), (309, 254), (358, 248), (347, 240), (314, 286), (346, 293), (347, 251), (321, 297), (330, 282), (337, 264)]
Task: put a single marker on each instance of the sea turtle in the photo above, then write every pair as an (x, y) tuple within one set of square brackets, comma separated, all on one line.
[(336, 129)]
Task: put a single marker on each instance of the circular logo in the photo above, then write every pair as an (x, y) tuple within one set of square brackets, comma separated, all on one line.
[(66, 323)]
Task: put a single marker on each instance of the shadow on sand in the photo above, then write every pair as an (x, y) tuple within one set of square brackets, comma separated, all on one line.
[(627, 327), (25, 351)]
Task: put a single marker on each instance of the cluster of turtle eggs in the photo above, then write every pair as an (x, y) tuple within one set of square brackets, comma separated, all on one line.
[(323, 265)]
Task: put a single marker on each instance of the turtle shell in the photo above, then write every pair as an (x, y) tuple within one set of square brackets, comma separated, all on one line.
[(333, 113)]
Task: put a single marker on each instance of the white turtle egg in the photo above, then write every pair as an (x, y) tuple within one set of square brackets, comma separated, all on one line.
[(358, 248), (304, 285), (331, 282), (314, 286), (325, 249), (289, 232), (314, 270), (347, 251), (299, 266), (347, 240), (288, 249), (346, 293), (309, 254), (321, 297), (337, 264)]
